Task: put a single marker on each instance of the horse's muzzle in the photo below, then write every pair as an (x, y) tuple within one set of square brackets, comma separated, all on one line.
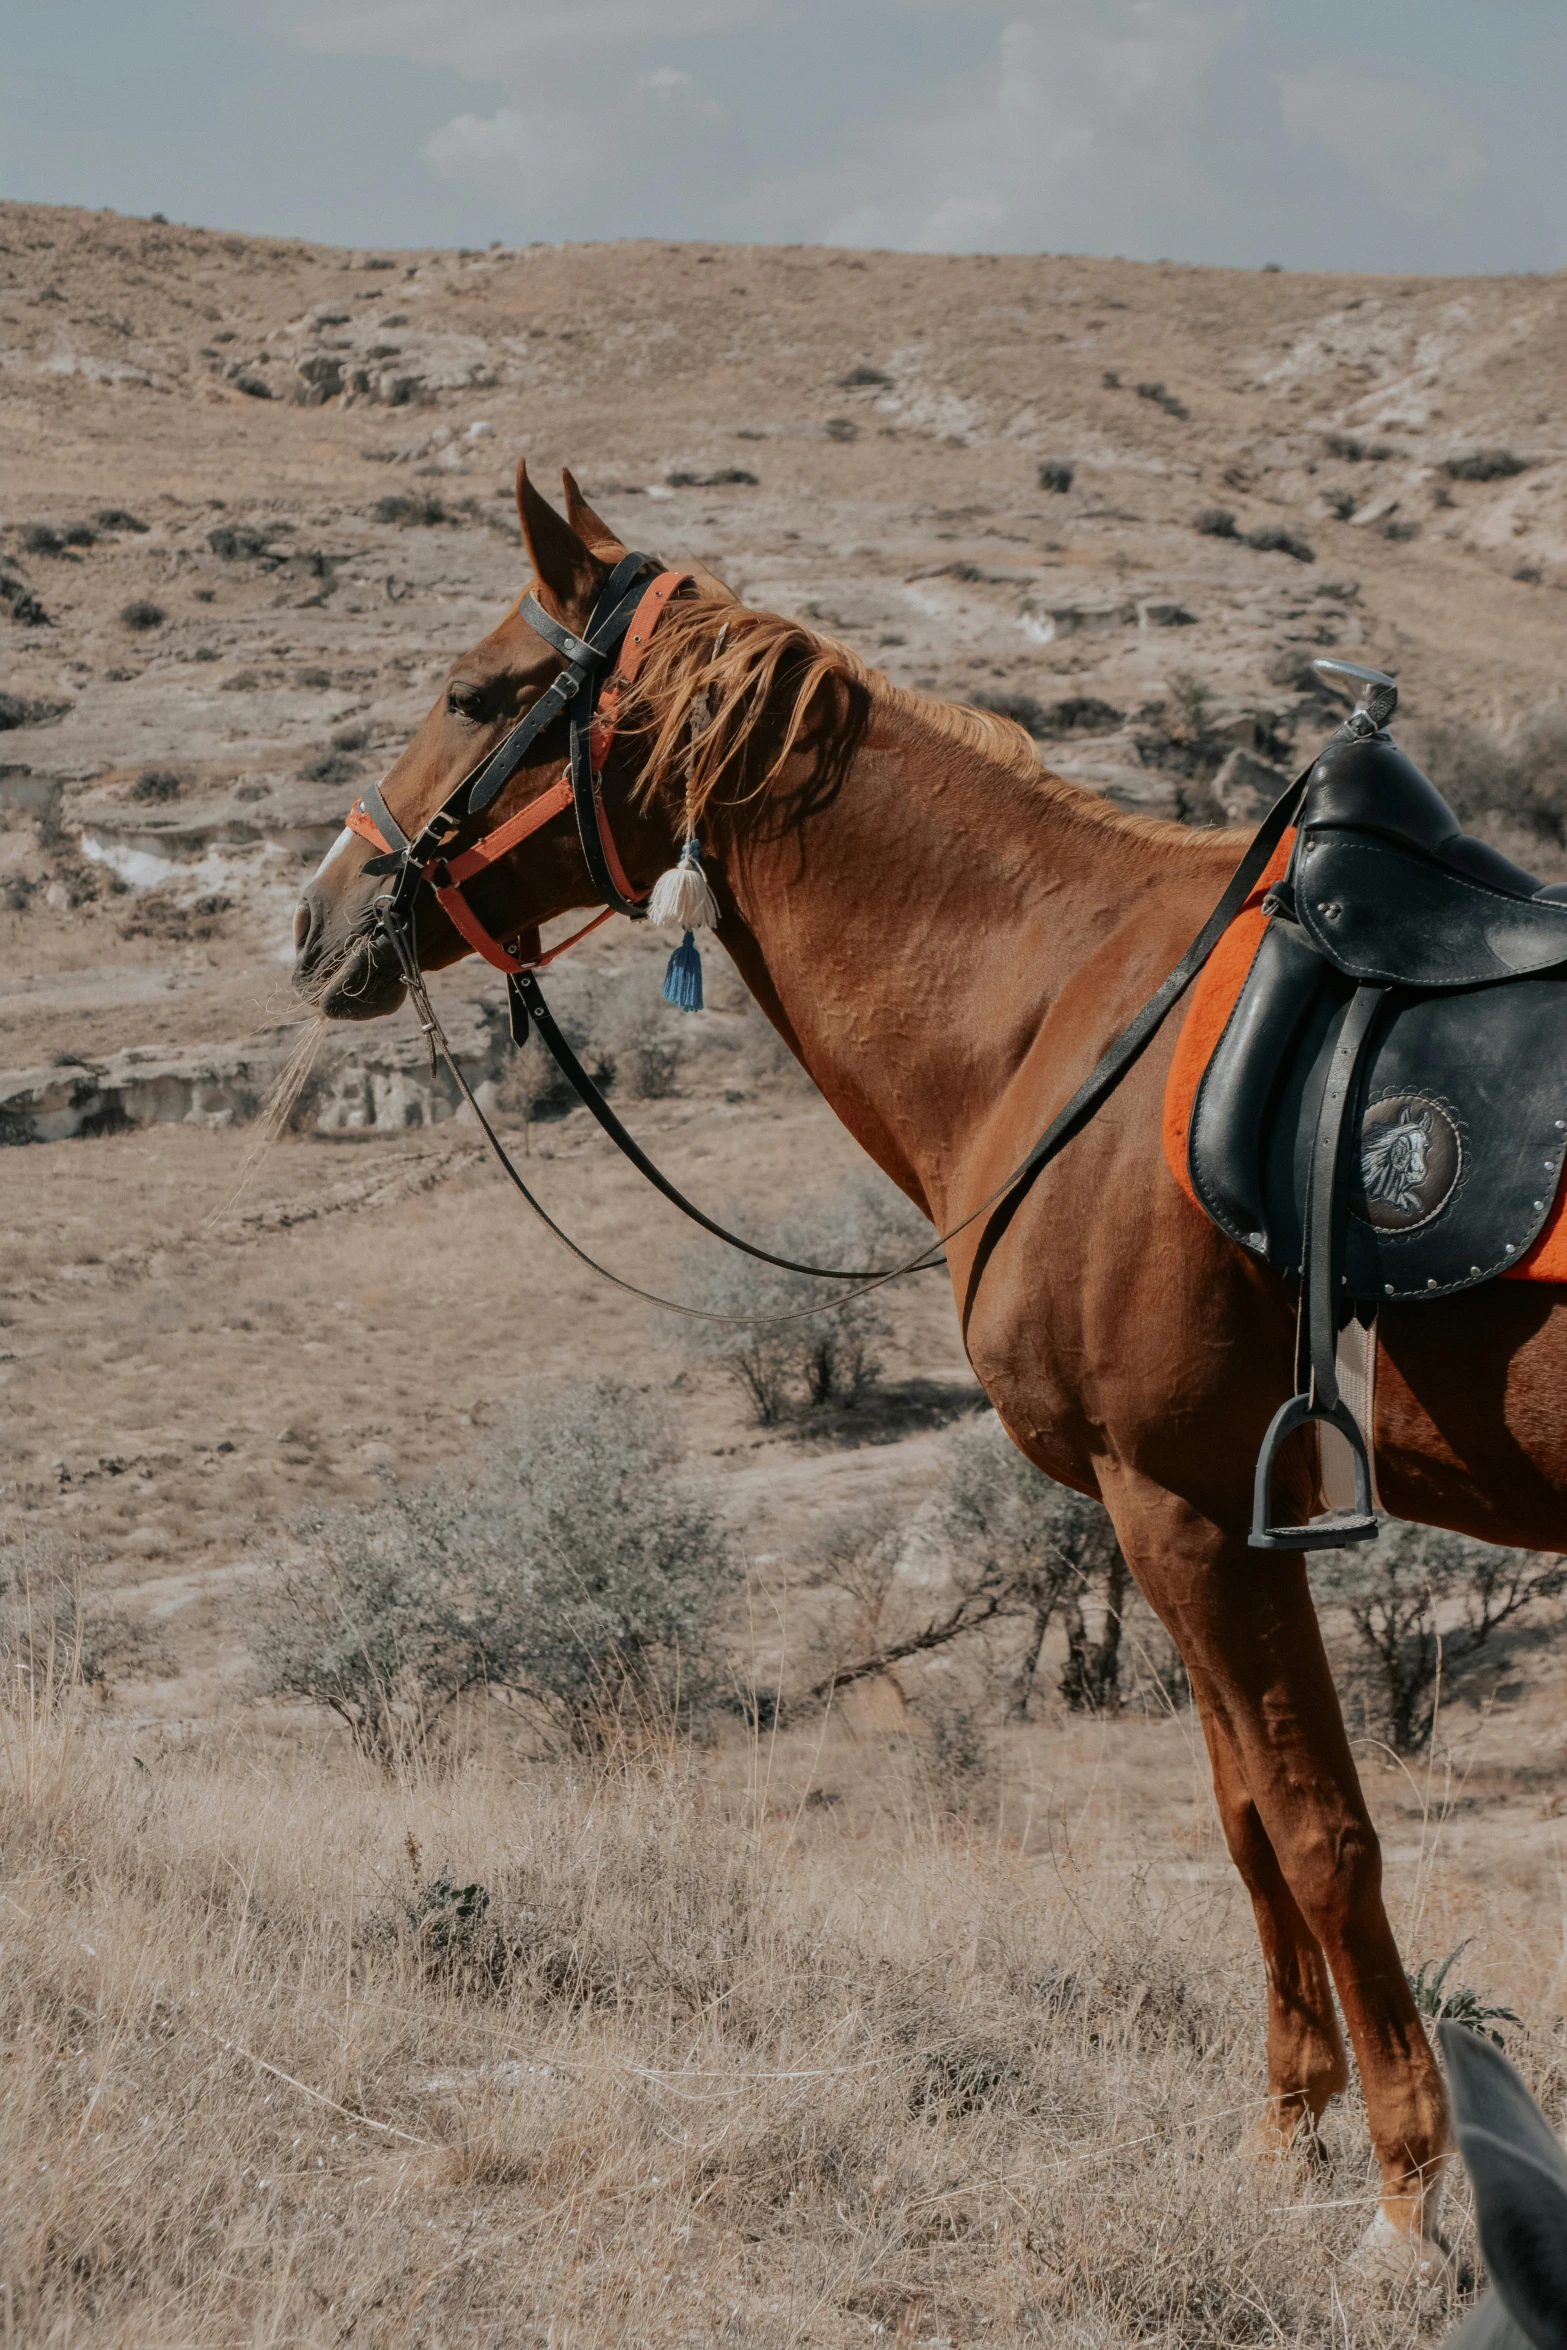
[(354, 978)]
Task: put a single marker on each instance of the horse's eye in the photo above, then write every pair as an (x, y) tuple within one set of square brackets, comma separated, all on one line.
[(464, 701)]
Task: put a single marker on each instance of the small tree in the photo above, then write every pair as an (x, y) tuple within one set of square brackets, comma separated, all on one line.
[(1037, 1546), (569, 1564), (1393, 1591), (826, 1357)]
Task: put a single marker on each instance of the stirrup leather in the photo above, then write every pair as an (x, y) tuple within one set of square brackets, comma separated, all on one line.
[(1320, 1304)]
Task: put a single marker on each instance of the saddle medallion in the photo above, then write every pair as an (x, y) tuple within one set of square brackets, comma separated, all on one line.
[(1411, 1156)]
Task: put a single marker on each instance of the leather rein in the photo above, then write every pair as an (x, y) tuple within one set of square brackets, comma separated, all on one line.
[(623, 620)]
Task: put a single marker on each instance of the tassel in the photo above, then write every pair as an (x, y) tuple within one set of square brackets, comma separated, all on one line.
[(683, 897), (683, 979)]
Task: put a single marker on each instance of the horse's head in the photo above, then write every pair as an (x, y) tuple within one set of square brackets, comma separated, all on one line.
[(344, 960), (1395, 1161)]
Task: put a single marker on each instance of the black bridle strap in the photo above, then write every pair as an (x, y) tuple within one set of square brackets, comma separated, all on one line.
[(585, 656), (573, 688), (526, 989), (584, 787)]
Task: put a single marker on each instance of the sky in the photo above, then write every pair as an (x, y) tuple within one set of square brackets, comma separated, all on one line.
[(1406, 135)]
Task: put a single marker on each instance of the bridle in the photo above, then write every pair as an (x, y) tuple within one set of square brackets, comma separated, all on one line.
[(624, 617)]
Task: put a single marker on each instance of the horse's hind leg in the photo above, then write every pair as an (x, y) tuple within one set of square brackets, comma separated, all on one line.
[(1246, 1627), (1306, 2060)]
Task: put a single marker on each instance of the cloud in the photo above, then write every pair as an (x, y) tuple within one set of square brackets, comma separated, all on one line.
[(542, 152), (1078, 134), (484, 37), (1216, 130), (1411, 148)]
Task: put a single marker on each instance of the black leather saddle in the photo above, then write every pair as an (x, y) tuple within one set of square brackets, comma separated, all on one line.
[(1385, 1114)]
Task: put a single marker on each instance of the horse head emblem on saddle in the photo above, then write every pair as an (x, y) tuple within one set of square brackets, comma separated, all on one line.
[(1393, 1162)]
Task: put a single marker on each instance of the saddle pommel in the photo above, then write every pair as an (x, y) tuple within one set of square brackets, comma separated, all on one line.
[(1373, 692)]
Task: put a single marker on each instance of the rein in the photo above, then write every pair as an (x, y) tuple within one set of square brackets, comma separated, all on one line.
[(624, 617), (626, 614)]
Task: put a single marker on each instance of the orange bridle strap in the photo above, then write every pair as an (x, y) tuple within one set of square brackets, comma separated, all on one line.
[(447, 876)]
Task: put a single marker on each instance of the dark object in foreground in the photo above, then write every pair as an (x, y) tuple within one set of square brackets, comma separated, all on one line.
[(1519, 2175)]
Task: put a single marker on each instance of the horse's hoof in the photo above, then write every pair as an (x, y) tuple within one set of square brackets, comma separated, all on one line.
[(1391, 2255)]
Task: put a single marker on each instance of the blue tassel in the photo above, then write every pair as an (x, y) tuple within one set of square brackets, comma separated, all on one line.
[(683, 979)]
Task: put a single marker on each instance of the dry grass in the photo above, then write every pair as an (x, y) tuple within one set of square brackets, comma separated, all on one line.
[(714, 2063)]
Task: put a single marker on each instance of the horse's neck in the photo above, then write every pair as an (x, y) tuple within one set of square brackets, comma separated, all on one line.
[(911, 937)]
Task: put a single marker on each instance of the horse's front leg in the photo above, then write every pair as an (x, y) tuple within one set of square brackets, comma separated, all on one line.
[(1290, 1797)]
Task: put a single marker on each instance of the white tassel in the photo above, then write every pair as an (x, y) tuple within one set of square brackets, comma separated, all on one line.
[(683, 897)]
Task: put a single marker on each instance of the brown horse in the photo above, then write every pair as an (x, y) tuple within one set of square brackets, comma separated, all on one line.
[(948, 938)]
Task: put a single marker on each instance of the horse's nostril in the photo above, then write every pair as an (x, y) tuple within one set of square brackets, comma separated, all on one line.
[(301, 925)]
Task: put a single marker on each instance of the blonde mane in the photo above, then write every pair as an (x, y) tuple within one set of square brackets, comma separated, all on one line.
[(742, 684)]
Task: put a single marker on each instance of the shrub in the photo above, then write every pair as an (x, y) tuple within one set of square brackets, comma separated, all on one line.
[(1192, 703), (56, 1637), (254, 387), (40, 539), (1485, 465), (569, 1565), (1215, 522), (1013, 1534), (420, 511), (141, 613), (825, 1357), (1339, 503), (858, 376), (237, 541), (1084, 714), (726, 476), (156, 783), (1055, 474), (1352, 451), (1162, 398), (647, 1041), (1392, 1591), (25, 607), (334, 766), (1021, 708), (19, 710), (1401, 528), (117, 518), (1272, 539)]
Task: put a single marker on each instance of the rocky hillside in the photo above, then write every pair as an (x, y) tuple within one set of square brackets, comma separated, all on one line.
[(254, 495)]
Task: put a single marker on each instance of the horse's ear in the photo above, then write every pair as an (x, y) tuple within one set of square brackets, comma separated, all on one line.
[(560, 561), (1519, 2175), (589, 527), (708, 583)]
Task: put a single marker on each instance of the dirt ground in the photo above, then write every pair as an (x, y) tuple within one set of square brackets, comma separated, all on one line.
[(301, 461)]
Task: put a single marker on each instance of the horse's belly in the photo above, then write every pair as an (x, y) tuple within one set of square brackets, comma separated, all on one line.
[(1471, 1413)]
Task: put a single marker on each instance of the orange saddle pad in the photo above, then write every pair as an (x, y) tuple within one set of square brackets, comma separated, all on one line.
[(1212, 999)]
